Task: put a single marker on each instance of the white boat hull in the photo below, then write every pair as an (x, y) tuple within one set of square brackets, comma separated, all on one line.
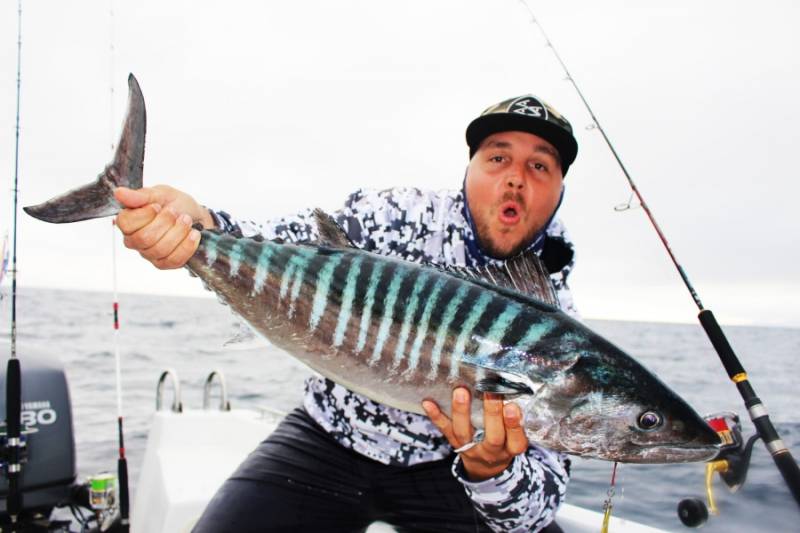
[(190, 454)]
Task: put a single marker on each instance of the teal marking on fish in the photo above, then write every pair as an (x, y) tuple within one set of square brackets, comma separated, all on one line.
[(443, 332), (235, 256), (422, 327), (211, 252), (348, 296), (476, 311), (579, 393), (288, 275), (410, 311), (536, 332), (262, 269), (366, 315), (388, 314), (321, 294), (292, 278), (492, 341)]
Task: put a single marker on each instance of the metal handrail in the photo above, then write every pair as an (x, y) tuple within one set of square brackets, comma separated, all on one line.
[(177, 405), (224, 404)]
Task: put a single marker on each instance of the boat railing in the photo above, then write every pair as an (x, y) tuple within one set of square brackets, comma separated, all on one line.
[(177, 406), (224, 404)]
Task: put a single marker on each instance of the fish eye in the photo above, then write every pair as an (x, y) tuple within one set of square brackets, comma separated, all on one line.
[(650, 420)]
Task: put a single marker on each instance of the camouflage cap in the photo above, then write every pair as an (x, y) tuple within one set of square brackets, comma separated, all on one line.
[(530, 114)]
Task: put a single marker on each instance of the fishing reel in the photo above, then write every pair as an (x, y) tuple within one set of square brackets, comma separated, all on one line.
[(731, 463)]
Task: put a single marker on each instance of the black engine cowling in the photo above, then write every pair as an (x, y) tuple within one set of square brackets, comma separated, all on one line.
[(49, 469)]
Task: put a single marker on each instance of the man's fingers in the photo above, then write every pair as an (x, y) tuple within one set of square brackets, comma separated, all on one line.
[(494, 427), (462, 416), (133, 198), (516, 440), (182, 253), (171, 239), (130, 221), (440, 420), (147, 236)]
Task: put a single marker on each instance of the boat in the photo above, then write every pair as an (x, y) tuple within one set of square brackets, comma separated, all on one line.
[(172, 492)]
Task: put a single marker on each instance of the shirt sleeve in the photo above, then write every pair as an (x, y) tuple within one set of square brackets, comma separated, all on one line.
[(369, 218), (525, 496), (299, 227)]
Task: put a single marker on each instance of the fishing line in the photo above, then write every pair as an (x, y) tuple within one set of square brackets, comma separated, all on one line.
[(122, 462), (13, 443), (608, 504), (758, 412)]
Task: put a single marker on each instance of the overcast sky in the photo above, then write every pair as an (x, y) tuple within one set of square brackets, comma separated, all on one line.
[(262, 108)]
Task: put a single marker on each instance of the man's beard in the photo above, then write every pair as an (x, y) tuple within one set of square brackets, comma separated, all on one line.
[(490, 248), (487, 244)]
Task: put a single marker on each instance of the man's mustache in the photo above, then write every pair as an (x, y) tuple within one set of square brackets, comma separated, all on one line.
[(509, 196)]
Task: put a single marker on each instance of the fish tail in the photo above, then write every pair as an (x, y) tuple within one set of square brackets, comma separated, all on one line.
[(96, 199)]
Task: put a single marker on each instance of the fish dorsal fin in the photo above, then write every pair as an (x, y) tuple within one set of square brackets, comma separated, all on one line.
[(330, 233), (525, 274)]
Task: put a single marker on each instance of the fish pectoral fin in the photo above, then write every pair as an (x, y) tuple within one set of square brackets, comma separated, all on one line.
[(503, 384), (241, 334), (330, 232)]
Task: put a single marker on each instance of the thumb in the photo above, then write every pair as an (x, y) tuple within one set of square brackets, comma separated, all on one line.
[(133, 198)]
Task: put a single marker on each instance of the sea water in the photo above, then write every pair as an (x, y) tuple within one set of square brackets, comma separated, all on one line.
[(189, 336)]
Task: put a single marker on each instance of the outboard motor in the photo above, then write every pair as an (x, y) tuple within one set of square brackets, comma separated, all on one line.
[(48, 464)]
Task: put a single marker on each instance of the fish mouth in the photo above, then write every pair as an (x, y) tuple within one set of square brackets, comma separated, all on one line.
[(672, 453), (510, 213)]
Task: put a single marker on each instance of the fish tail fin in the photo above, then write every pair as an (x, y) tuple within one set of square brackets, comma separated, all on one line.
[(96, 199)]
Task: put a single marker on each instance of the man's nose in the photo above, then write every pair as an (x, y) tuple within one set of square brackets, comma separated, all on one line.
[(514, 180)]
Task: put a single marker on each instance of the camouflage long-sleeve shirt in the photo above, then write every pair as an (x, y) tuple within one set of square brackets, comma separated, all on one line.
[(432, 227)]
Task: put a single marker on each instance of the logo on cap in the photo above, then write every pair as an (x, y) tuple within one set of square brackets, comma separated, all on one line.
[(528, 106)]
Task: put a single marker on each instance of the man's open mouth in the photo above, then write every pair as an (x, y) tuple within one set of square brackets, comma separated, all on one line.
[(510, 212)]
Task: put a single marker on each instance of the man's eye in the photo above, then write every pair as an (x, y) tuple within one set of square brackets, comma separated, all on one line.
[(539, 166), (497, 159)]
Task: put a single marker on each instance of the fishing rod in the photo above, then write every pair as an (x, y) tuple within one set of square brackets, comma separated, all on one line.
[(758, 412), (13, 442), (122, 461)]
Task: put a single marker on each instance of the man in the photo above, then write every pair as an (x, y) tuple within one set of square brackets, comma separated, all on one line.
[(344, 461)]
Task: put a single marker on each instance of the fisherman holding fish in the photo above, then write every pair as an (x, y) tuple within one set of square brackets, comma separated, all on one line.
[(306, 476), (450, 304)]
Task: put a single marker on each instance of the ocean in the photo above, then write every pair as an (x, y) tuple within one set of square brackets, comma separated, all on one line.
[(189, 336)]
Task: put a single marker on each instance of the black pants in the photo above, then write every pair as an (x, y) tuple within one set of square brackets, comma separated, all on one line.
[(300, 479)]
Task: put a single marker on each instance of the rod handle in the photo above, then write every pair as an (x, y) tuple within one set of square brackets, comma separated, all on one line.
[(13, 425), (729, 360), (13, 398), (790, 472), (124, 497)]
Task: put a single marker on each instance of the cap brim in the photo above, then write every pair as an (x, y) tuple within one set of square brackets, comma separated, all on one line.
[(486, 125)]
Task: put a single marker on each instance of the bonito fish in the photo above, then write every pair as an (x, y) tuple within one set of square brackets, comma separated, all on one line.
[(400, 332)]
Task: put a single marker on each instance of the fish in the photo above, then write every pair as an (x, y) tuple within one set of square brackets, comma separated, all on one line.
[(400, 332)]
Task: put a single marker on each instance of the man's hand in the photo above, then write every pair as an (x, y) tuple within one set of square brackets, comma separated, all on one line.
[(504, 436), (157, 223)]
